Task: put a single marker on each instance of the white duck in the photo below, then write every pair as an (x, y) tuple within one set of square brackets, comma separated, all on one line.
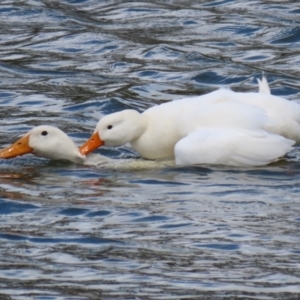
[(50, 142), (239, 129)]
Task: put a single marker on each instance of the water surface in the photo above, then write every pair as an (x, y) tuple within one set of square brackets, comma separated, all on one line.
[(72, 232)]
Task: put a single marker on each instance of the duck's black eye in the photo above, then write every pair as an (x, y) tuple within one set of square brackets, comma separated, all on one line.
[(109, 127), (44, 132)]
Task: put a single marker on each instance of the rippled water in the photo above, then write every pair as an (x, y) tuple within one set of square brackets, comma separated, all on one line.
[(77, 232)]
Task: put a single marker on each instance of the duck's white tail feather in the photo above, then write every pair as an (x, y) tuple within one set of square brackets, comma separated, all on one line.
[(263, 86)]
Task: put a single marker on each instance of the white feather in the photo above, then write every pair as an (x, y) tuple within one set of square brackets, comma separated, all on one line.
[(231, 146), (263, 86)]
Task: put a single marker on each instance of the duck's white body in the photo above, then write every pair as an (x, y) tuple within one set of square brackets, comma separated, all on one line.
[(50, 142), (219, 122)]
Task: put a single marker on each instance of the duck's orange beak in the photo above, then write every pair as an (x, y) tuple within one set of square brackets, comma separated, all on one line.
[(20, 147), (93, 143)]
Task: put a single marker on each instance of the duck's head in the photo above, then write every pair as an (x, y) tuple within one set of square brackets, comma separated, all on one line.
[(45, 141), (115, 129)]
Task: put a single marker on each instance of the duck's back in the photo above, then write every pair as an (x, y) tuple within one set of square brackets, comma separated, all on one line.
[(285, 114)]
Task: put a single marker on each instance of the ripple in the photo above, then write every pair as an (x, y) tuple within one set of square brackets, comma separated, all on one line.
[(241, 30), (288, 36), (88, 240), (72, 211), (215, 78), (7, 207), (151, 219), (226, 247), (154, 230)]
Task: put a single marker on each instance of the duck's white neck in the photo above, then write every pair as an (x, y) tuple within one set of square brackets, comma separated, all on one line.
[(64, 153)]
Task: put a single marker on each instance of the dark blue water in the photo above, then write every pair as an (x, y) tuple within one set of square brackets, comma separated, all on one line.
[(72, 232)]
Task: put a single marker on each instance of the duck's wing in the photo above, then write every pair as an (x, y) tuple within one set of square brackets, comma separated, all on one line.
[(231, 146), (283, 114), (223, 114), (263, 86)]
